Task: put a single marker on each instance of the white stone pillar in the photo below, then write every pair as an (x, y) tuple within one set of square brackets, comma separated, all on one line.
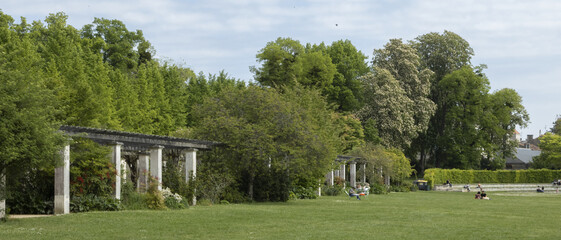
[(352, 174), (116, 161), (156, 164), (364, 173), (143, 174), (330, 182), (342, 172), (62, 183), (191, 167), (2, 195)]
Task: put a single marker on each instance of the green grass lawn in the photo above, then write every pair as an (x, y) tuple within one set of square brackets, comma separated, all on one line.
[(417, 215)]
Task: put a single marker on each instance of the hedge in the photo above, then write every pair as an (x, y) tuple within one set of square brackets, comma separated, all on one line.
[(439, 176)]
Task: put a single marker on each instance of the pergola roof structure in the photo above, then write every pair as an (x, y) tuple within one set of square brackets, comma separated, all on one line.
[(136, 141)]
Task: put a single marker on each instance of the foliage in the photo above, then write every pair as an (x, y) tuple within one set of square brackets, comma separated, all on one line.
[(334, 190), (438, 176), (556, 129), (268, 134), (28, 136), (91, 202), (550, 156), (402, 63), (300, 192), (154, 197), (389, 162), (212, 184), (377, 188), (31, 192), (91, 171), (131, 199), (471, 128), (173, 200), (334, 70)]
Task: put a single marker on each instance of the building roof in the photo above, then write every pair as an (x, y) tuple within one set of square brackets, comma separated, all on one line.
[(135, 141), (524, 155)]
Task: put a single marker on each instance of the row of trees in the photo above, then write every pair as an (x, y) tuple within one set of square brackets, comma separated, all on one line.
[(282, 132), (423, 97)]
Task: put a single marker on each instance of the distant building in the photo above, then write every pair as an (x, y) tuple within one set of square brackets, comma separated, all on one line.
[(516, 136), (522, 158)]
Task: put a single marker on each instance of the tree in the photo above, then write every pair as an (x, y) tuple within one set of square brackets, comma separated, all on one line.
[(119, 44), (550, 156), (387, 104), (442, 54), (280, 65), (402, 62), (464, 98), (503, 112), (346, 89), (556, 129), (268, 135), (28, 128)]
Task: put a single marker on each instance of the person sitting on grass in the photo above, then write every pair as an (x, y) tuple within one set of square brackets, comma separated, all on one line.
[(352, 193), (540, 190), (478, 195), (484, 196)]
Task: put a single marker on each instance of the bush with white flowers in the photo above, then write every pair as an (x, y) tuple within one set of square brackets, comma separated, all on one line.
[(172, 200)]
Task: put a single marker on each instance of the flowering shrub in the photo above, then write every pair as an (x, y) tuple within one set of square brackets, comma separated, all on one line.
[(172, 200), (91, 172)]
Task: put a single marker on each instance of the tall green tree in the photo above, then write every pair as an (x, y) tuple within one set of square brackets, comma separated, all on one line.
[(387, 104), (402, 62), (28, 128), (346, 89), (121, 48), (503, 113), (280, 65), (442, 54), (267, 134), (556, 129), (79, 78), (550, 156), (465, 96)]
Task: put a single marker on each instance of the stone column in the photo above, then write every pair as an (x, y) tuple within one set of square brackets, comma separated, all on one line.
[(156, 164), (330, 179), (336, 173), (143, 174), (2, 195), (364, 173), (342, 174), (191, 167), (352, 174), (116, 161), (62, 183)]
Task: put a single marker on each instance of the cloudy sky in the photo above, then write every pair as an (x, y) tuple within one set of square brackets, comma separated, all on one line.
[(520, 41)]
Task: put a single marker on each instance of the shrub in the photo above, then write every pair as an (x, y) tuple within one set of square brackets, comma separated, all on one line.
[(173, 200), (334, 190), (439, 176), (92, 202), (131, 199), (154, 197), (377, 188), (303, 193)]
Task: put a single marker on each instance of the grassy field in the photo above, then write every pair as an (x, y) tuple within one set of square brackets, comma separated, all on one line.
[(418, 215)]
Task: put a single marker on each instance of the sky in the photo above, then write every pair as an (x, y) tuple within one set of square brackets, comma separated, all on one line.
[(519, 41)]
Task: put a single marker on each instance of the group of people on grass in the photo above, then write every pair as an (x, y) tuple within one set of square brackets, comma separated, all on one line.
[(359, 191), (481, 194)]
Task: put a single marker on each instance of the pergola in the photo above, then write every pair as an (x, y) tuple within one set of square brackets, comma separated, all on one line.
[(149, 150), (352, 161)]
